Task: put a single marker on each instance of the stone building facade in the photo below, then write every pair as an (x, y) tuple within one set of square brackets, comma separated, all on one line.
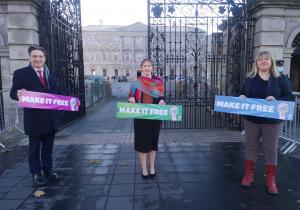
[(18, 30), (114, 50), (277, 29), (118, 50)]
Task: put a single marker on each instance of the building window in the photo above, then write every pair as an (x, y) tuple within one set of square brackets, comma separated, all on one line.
[(127, 56), (139, 56), (116, 56), (104, 56), (92, 57), (105, 72), (139, 41), (127, 72), (93, 72), (172, 72), (126, 40), (116, 40), (116, 72)]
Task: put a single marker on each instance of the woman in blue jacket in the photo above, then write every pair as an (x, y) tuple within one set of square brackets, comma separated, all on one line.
[(263, 82)]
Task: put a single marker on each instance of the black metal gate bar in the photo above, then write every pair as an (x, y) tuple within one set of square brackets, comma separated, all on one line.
[(2, 121), (201, 49), (61, 36)]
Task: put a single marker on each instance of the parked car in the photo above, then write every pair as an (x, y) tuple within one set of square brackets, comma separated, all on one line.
[(180, 77), (122, 79), (97, 78), (174, 77)]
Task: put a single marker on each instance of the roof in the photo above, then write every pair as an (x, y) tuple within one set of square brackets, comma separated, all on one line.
[(138, 26)]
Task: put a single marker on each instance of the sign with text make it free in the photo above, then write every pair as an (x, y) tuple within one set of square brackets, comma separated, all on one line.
[(283, 110), (149, 111), (37, 100)]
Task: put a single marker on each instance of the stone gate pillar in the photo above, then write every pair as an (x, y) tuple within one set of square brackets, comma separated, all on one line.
[(277, 21), (18, 30)]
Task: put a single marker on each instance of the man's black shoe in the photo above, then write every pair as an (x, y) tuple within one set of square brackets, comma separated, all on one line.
[(50, 175), (38, 179)]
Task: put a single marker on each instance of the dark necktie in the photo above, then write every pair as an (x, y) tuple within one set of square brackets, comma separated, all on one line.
[(41, 77)]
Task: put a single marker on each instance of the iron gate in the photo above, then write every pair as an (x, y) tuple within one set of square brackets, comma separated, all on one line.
[(61, 36), (2, 122), (201, 48)]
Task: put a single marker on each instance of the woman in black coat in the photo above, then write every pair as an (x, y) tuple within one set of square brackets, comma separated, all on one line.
[(264, 82)]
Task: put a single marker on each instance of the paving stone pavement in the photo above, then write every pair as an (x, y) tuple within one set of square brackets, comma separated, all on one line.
[(196, 170), (201, 136), (203, 176)]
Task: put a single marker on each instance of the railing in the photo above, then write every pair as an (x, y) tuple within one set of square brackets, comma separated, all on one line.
[(120, 89), (198, 113), (291, 129), (96, 91), (9, 114)]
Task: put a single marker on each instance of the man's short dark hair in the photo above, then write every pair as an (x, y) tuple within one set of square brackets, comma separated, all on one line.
[(34, 47)]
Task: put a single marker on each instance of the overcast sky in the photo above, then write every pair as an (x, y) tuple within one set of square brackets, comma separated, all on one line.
[(113, 12)]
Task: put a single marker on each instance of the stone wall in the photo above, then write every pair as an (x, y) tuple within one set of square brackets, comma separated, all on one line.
[(18, 30), (278, 23), (4, 58)]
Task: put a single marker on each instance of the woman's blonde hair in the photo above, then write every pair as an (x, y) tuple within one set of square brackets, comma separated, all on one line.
[(273, 70)]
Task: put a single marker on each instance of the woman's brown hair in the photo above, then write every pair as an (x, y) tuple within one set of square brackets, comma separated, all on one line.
[(146, 60)]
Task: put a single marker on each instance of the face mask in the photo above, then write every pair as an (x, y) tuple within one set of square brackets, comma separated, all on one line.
[(280, 69)]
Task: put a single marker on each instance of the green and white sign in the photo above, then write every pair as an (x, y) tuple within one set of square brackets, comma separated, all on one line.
[(149, 111)]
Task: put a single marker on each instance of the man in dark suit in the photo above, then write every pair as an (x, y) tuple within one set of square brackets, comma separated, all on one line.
[(39, 124)]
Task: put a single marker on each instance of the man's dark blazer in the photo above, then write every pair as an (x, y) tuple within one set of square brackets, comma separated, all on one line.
[(36, 121)]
